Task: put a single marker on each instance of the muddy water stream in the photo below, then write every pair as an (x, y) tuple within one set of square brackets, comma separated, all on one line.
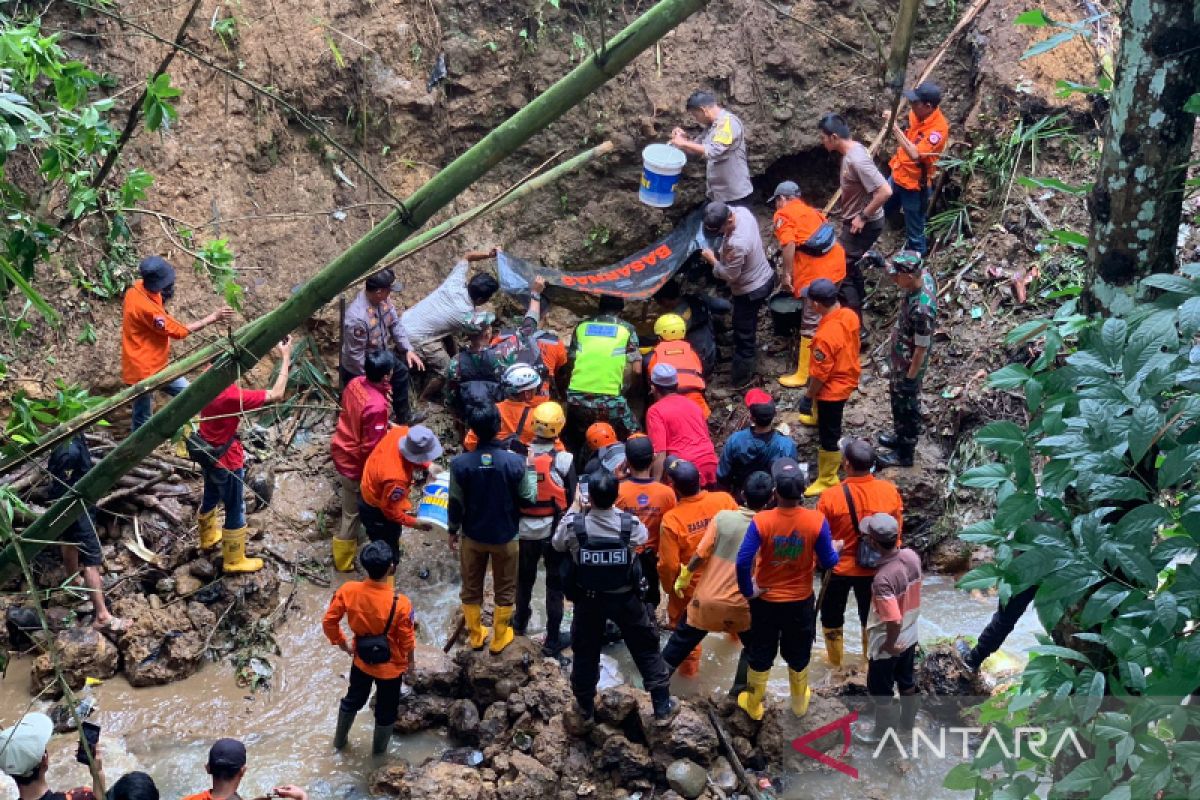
[(167, 730)]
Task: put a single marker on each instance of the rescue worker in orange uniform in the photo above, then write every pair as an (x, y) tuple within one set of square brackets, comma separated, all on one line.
[(915, 163), (555, 469), (679, 536), (833, 376), (674, 349), (859, 496), (810, 251), (647, 499), (775, 565), (372, 609), (387, 478), (147, 330), (521, 383)]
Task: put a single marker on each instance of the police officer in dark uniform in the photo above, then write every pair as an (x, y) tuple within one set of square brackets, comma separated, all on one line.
[(604, 583), (911, 340)]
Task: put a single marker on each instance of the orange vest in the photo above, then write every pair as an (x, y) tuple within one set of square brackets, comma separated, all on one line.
[(551, 495), (835, 348), (387, 478), (513, 414), (930, 137), (683, 358), (795, 223)]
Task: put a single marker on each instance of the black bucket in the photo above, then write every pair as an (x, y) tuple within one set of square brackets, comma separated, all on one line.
[(786, 312)]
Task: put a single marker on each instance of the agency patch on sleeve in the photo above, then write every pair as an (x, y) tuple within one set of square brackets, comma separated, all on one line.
[(397, 494), (935, 138), (818, 355), (160, 323), (724, 134)]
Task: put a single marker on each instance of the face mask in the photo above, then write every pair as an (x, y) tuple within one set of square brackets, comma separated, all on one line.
[(168, 292)]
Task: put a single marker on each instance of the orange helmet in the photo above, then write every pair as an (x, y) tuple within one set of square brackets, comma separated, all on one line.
[(600, 434)]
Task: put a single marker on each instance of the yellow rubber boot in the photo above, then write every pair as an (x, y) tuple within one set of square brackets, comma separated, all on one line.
[(799, 378), (344, 551), (502, 632), (233, 548), (828, 462), (210, 529), (834, 646), (798, 681), (809, 420), (751, 700), (476, 633)]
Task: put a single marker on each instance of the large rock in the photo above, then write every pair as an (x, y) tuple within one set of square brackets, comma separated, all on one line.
[(493, 677), (631, 761), (463, 722), (689, 735), (723, 776), (687, 777), (546, 695), (390, 781), (780, 727), (616, 704), (83, 653), (551, 743), (435, 671), (160, 645), (493, 728), (420, 712), (439, 780), (526, 779)]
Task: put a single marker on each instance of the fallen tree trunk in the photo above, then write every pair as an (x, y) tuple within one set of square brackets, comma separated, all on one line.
[(259, 337)]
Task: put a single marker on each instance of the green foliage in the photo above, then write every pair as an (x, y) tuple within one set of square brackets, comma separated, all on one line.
[(157, 107), (226, 30), (1067, 31), (216, 260), (32, 417), (1096, 506)]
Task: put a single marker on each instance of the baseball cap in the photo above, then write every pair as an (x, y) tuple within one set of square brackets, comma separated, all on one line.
[(684, 475), (927, 92), (906, 262), (227, 754), (157, 274), (612, 456), (822, 290), (420, 445), (639, 448), (756, 397), (478, 321), (23, 745), (715, 215), (786, 189), (789, 478), (880, 527), (664, 375)]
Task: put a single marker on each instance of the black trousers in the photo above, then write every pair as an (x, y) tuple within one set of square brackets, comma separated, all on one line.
[(833, 607), (1002, 623), (628, 613), (387, 696), (532, 553), (829, 423), (906, 411), (854, 286), (379, 528), (883, 674), (780, 628), (652, 596), (745, 329), (401, 406)]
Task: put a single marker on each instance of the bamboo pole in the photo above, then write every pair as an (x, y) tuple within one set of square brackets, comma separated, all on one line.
[(210, 351), (259, 337)]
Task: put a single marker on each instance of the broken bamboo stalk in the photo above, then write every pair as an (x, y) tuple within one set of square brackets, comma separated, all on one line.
[(258, 338), (732, 756)]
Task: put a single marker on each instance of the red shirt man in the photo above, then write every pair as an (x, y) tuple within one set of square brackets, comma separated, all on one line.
[(677, 428), (361, 424)]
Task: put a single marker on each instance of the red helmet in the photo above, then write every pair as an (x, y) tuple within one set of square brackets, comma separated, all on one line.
[(601, 434)]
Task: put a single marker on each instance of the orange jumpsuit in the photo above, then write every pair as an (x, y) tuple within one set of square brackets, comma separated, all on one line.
[(794, 224)]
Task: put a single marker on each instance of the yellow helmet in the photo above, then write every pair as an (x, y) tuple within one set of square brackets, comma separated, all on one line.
[(548, 420), (670, 327)]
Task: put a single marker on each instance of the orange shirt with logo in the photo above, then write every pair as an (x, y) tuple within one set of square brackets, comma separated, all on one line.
[(648, 500), (787, 553), (146, 333), (514, 414), (835, 348), (681, 356), (871, 496), (679, 535), (929, 136), (366, 605), (387, 478), (795, 223)]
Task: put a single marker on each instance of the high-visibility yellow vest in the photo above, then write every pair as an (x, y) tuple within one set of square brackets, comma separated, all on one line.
[(600, 357)]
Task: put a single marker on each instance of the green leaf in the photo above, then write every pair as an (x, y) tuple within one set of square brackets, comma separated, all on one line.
[(1192, 106), (1048, 44), (1081, 778), (1072, 239), (1026, 331), (8, 272), (1012, 376), (1057, 185), (960, 779), (1143, 427), (1122, 792), (1034, 18), (1102, 603), (1002, 437), (1189, 317), (1176, 284), (988, 476)]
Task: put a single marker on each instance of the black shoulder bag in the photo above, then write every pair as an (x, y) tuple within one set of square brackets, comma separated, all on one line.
[(204, 454), (376, 649), (865, 555)]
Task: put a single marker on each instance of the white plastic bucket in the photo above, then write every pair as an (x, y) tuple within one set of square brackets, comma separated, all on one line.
[(661, 165), (435, 502)]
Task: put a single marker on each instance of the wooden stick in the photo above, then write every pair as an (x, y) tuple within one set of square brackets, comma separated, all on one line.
[(731, 754)]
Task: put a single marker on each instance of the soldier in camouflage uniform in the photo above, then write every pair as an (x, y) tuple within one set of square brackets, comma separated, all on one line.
[(602, 350), (911, 339)]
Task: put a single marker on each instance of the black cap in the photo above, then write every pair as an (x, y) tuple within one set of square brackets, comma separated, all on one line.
[(822, 290), (927, 92), (715, 215), (156, 273), (758, 486), (639, 448), (227, 754), (789, 478), (684, 475), (859, 453)]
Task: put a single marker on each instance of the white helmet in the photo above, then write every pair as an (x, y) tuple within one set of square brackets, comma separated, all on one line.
[(521, 377)]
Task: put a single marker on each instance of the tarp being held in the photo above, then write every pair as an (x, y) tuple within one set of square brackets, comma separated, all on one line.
[(637, 277)]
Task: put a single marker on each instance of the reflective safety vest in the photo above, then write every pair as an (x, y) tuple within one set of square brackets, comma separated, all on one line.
[(600, 357), (551, 494), (683, 358), (602, 566)]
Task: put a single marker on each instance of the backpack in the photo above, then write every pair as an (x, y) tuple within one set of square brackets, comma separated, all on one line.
[(598, 567), (511, 347), (376, 649)]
